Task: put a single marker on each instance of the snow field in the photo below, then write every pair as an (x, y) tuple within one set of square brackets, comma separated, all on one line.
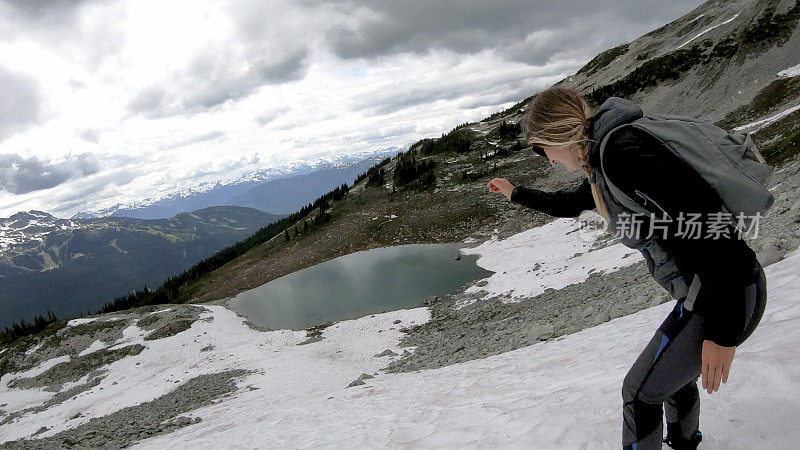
[(563, 393), (558, 394), (285, 370)]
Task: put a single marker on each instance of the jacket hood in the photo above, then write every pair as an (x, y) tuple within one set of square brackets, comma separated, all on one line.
[(613, 112)]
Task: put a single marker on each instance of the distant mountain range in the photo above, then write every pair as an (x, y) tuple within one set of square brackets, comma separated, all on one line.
[(74, 266), (278, 191)]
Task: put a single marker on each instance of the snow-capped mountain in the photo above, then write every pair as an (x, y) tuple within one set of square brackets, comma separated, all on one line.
[(335, 170), (26, 228)]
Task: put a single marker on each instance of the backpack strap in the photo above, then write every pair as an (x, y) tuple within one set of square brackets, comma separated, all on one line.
[(618, 194), (691, 296)]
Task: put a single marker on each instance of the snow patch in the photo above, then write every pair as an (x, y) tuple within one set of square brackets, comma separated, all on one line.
[(707, 30), (764, 122), (33, 349), (19, 399), (96, 345), (132, 334), (696, 18), (81, 321), (41, 368), (550, 256), (790, 72)]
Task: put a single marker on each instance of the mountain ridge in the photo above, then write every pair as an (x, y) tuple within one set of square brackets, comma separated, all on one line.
[(71, 266), (221, 194)]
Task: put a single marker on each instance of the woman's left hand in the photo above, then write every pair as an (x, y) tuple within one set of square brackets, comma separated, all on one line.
[(716, 365)]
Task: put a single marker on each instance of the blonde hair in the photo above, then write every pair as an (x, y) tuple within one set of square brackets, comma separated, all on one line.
[(560, 116)]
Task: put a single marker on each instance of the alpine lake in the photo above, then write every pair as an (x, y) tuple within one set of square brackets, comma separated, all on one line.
[(358, 284)]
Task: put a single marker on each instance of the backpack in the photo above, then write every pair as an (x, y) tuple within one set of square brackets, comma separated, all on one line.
[(729, 162)]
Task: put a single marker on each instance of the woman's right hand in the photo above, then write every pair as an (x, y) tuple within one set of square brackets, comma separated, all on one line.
[(502, 186)]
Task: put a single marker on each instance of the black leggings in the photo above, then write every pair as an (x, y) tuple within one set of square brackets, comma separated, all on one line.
[(666, 372)]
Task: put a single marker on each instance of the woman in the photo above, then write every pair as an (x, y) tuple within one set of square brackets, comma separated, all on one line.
[(717, 281)]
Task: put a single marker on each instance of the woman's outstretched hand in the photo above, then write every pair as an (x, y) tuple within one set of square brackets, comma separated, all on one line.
[(502, 186), (716, 365)]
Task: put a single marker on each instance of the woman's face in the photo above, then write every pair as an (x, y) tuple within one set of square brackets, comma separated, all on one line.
[(564, 154)]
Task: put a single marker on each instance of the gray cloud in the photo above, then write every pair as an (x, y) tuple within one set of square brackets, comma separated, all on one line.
[(209, 136), (386, 102), (79, 196), (76, 84), (270, 116), (147, 100), (37, 10), (90, 135), (469, 26), (213, 78), (379, 135), (278, 70), (510, 95), (19, 175), (270, 45), (20, 104), (43, 16), (49, 21)]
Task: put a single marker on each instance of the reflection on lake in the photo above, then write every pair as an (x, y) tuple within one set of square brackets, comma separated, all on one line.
[(358, 284)]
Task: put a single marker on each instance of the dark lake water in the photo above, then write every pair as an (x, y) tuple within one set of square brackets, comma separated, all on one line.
[(358, 284)]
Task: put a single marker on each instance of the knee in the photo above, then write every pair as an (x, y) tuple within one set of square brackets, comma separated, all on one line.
[(630, 386), (634, 389)]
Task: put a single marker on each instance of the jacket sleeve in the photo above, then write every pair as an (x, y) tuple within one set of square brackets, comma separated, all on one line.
[(566, 203), (725, 265)]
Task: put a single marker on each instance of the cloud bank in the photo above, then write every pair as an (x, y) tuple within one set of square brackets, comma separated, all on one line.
[(174, 94), (20, 175)]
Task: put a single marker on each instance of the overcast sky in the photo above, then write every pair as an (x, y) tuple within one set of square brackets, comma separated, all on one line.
[(108, 102)]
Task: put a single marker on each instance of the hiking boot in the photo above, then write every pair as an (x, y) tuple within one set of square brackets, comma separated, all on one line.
[(676, 440)]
